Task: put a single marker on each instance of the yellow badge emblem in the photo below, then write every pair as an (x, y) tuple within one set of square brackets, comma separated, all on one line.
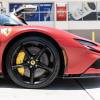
[(6, 31)]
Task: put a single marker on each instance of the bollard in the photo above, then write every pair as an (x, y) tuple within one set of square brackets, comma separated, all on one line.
[(93, 36)]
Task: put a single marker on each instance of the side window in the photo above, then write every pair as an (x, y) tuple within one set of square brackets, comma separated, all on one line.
[(4, 19)]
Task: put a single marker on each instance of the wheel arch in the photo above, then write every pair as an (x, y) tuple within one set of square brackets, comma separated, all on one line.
[(27, 34)]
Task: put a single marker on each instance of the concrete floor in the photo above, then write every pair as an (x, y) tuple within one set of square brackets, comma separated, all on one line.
[(81, 89)]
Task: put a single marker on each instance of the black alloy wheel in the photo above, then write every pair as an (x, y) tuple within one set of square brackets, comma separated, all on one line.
[(33, 62)]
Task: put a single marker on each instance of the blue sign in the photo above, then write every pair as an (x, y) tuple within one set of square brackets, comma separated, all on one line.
[(44, 11)]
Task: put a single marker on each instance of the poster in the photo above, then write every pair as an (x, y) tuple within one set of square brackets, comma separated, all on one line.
[(61, 12), (82, 11), (44, 11)]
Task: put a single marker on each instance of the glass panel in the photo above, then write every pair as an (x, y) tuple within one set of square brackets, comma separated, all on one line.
[(46, 17), (75, 11), (44, 11), (89, 9), (32, 16), (14, 6), (45, 7)]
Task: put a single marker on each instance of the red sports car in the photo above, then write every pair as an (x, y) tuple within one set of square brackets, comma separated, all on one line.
[(33, 56)]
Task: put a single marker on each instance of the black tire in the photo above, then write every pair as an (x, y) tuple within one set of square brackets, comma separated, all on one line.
[(48, 62)]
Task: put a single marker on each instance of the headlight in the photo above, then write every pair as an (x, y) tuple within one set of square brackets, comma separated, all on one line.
[(86, 43)]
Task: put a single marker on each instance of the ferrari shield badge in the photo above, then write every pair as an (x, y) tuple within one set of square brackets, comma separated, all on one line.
[(6, 31)]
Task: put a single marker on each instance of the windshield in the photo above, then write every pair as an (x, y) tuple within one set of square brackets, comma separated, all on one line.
[(6, 20)]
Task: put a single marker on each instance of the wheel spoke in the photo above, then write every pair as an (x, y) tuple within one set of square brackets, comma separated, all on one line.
[(19, 66), (40, 53), (45, 67), (32, 73), (27, 52)]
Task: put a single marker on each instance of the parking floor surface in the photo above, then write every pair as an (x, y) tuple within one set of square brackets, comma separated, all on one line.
[(60, 89)]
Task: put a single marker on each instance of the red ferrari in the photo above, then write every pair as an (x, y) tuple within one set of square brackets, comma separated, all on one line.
[(33, 56)]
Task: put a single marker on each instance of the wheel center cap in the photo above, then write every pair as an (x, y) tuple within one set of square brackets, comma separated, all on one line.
[(33, 62)]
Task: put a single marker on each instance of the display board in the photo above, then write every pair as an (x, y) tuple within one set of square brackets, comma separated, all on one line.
[(44, 11), (61, 12), (82, 11)]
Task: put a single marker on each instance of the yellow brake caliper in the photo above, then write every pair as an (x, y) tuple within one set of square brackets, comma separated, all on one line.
[(19, 60)]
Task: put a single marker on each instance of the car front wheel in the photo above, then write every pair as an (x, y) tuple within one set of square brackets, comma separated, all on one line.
[(33, 62)]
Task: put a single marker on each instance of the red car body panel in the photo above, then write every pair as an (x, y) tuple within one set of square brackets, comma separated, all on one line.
[(78, 58)]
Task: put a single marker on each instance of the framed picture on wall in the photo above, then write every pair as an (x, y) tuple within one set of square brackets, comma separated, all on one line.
[(61, 12), (82, 11), (44, 11)]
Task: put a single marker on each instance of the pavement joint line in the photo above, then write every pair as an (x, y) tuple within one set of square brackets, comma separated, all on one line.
[(84, 89)]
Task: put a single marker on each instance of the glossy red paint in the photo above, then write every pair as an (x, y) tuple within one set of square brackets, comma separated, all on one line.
[(78, 57)]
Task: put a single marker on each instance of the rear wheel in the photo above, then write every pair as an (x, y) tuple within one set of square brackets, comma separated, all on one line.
[(33, 62)]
